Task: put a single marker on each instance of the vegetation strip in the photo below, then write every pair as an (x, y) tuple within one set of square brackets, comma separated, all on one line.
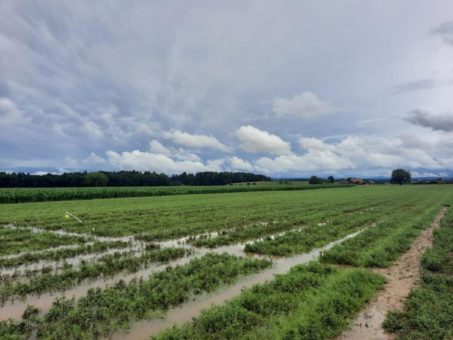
[(105, 266), (379, 247), (316, 235), (23, 195), (428, 312), (60, 254), (314, 299), (105, 310), (264, 229), (15, 240), (163, 218)]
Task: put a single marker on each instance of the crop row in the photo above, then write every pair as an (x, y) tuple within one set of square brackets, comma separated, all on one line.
[(428, 312), (316, 235), (107, 265), (319, 215), (178, 216), (378, 247), (312, 301), (15, 241), (22, 195), (102, 311), (61, 254)]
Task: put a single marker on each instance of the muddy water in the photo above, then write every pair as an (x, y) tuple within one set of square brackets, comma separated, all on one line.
[(178, 316), (15, 309), (12, 256), (73, 261)]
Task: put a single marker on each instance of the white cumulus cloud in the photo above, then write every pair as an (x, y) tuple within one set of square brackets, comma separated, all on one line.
[(195, 141), (257, 141), (149, 161), (239, 164)]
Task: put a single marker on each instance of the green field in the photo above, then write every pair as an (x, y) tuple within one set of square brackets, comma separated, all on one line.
[(260, 231), (22, 195)]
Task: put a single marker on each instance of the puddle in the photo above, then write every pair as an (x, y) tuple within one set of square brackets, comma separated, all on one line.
[(15, 309), (144, 329)]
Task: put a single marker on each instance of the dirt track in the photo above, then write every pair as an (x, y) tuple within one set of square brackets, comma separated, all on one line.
[(401, 277)]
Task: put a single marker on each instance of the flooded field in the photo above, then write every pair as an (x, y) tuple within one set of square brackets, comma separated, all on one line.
[(139, 282)]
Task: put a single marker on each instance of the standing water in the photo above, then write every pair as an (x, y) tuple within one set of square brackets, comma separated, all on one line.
[(178, 316)]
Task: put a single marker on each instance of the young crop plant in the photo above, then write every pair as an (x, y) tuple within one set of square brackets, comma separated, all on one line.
[(310, 237), (103, 311), (428, 312), (381, 245), (162, 218), (313, 301), (107, 265), (319, 215), (17, 240), (61, 254)]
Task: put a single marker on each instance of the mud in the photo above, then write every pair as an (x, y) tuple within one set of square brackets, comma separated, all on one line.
[(401, 278)]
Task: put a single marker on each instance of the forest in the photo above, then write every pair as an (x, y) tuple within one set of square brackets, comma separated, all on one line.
[(123, 178)]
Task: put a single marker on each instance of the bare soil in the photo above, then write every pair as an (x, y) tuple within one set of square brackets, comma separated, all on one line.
[(401, 277)]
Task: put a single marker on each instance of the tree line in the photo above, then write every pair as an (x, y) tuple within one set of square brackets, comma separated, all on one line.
[(123, 178)]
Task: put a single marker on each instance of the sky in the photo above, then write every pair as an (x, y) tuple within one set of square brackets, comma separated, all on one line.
[(282, 88)]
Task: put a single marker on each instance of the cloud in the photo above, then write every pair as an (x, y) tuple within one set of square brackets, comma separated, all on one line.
[(440, 122), (195, 141), (156, 147), (10, 114), (94, 159), (304, 105), (257, 141), (413, 86), (238, 164), (74, 81), (445, 31), (149, 161), (358, 154)]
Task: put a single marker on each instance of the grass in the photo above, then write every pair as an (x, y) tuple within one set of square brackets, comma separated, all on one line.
[(313, 301), (428, 312), (105, 310)]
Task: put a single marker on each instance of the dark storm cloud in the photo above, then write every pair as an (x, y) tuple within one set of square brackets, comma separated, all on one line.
[(80, 78), (441, 122), (412, 86), (445, 31)]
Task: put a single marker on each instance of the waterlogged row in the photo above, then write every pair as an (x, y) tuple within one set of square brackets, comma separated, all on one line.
[(428, 312), (379, 247), (311, 236), (103, 311), (107, 265), (311, 301), (317, 216), (184, 215), (15, 241), (61, 254)]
